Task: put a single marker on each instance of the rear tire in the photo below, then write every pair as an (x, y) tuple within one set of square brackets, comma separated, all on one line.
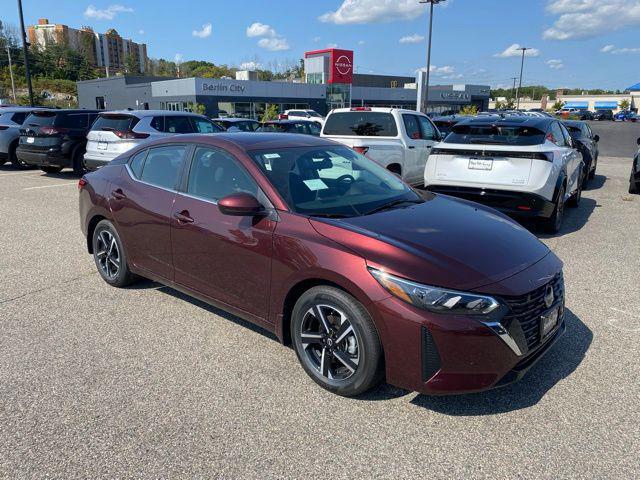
[(51, 169), (553, 224), (77, 162), (336, 341), (109, 255), (574, 201), (633, 185)]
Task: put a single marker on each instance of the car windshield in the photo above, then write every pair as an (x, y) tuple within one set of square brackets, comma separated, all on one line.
[(575, 132), (331, 181), (314, 114), (495, 135)]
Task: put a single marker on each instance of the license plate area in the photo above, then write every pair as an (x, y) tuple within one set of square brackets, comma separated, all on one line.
[(30, 139), (480, 164), (549, 321), (102, 145)]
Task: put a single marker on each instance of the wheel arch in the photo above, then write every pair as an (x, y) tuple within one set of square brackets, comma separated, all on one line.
[(395, 168), (91, 226)]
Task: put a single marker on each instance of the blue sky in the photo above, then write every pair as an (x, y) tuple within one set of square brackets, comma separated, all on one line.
[(579, 43)]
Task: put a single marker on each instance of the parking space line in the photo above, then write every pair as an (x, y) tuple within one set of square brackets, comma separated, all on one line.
[(21, 173), (50, 186)]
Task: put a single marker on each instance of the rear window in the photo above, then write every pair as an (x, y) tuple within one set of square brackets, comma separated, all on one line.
[(41, 119), (575, 132), (495, 135), (273, 127), (19, 117), (115, 123), (73, 120), (361, 124)]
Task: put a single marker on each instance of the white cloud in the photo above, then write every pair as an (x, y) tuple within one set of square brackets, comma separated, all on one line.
[(555, 64), (332, 45), (361, 42), (619, 51), (274, 44), (415, 38), (178, 58), (250, 66), (258, 29), (589, 18), (512, 51), (204, 32), (371, 11), (446, 72), (140, 32), (108, 13), (316, 39), (270, 39)]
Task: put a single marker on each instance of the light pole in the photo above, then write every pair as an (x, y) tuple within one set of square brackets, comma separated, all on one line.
[(425, 101), (524, 50), (25, 50), (13, 84), (513, 91)]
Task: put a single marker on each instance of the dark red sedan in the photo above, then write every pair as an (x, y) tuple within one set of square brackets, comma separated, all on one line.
[(364, 276)]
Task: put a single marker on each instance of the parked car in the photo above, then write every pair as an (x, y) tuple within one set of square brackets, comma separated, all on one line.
[(527, 167), (114, 133), (11, 118), (304, 127), (400, 140), (587, 144), (586, 115), (445, 124), (55, 139), (568, 111), (601, 115), (302, 115), (364, 276), (237, 124), (634, 179), (625, 116)]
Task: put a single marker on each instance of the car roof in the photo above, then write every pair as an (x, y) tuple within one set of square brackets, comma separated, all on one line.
[(148, 113), (574, 123), (234, 119), (375, 109), (249, 141), (66, 110), (450, 118), (15, 109), (287, 122), (537, 122)]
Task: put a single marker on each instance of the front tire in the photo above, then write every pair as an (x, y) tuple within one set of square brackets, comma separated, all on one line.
[(336, 341), (109, 255)]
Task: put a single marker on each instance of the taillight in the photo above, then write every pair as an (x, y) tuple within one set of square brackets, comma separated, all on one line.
[(361, 109), (53, 130), (361, 150), (130, 135), (283, 116), (546, 156), (81, 183)]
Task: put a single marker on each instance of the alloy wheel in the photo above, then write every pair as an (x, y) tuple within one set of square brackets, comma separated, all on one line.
[(108, 254), (330, 343)]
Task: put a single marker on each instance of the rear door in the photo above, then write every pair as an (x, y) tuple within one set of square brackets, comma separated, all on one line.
[(178, 124), (107, 137), (224, 257), (142, 203)]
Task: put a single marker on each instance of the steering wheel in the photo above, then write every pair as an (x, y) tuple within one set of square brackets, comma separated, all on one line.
[(345, 181)]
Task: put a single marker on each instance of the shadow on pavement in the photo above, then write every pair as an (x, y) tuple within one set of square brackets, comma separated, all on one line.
[(597, 182), (557, 364)]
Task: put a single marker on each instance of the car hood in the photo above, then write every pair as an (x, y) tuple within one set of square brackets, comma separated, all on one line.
[(443, 242)]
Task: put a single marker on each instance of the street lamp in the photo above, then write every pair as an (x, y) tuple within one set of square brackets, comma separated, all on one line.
[(25, 50), (425, 101), (524, 50)]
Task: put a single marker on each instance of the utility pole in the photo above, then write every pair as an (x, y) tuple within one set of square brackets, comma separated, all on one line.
[(524, 50), (513, 91), (425, 102), (25, 50), (13, 85)]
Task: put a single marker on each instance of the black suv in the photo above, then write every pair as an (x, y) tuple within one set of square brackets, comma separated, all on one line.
[(55, 139), (304, 127), (603, 115)]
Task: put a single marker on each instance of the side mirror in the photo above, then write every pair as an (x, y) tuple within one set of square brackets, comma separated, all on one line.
[(240, 204), (596, 138)]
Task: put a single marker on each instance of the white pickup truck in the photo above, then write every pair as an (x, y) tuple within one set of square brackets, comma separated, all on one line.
[(400, 140)]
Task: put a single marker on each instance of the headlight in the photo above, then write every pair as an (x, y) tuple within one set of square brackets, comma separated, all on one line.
[(434, 299)]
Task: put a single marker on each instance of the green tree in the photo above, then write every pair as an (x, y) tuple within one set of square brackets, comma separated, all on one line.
[(558, 105), (131, 65), (469, 110), (199, 108), (624, 104), (270, 113)]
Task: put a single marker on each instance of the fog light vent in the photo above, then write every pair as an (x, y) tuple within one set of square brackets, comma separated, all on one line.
[(430, 356)]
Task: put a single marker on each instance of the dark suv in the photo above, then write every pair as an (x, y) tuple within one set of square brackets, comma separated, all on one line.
[(55, 139), (603, 115)]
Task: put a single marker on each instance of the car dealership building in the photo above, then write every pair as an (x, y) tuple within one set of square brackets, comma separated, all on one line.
[(329, 83)]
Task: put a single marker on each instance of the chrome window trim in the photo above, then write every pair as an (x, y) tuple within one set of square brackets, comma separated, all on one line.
[(133, 177)]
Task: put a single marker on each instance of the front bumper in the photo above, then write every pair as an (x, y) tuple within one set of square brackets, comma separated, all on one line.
[(521, 204), (43, 158)]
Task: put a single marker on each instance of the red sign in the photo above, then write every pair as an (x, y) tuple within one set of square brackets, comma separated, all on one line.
[(340, 64)]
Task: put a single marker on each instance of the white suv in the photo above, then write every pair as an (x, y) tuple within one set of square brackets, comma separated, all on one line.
[(522, 166), (400, 140), (114, 133), (302, 115)]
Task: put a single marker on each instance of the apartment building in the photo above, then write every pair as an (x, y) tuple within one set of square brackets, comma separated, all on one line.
[(108, 50)]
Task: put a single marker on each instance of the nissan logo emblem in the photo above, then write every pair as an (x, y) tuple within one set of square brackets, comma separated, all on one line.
[(343, 65), (549, 297)]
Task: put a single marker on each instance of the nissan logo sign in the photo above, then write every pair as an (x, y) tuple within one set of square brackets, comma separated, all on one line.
[(343, 65)]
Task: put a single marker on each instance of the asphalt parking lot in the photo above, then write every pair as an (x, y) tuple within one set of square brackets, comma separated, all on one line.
[(144, 382)]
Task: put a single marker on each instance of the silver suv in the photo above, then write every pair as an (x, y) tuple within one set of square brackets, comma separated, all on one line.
[(114, 133), (11, 118)]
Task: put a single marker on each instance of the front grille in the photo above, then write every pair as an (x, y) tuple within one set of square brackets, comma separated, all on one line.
[(525, 310)]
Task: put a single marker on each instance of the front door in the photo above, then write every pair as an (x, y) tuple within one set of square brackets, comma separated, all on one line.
[(142, 202), (224, 257)]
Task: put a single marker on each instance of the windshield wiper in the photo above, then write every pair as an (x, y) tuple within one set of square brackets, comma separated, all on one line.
[(328, 215), (392, 204)]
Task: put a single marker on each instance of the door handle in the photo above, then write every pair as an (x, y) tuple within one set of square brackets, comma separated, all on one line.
[(411, 147), (118, 194), (183, 217)]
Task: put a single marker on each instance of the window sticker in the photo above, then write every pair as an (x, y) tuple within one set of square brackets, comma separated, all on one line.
[(315, 185)]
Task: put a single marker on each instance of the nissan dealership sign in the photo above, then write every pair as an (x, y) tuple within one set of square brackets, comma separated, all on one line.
[(334, 64)]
